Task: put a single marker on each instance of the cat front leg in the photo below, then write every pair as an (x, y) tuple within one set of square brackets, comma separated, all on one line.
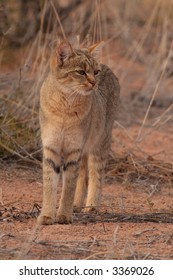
[(70, 175), (51, 173), (81, 188), (96, 165)]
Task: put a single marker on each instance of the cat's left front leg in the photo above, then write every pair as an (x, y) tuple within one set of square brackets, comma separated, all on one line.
[(96, 166)]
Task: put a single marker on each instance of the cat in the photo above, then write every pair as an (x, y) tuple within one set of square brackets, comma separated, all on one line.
[(78, 103)]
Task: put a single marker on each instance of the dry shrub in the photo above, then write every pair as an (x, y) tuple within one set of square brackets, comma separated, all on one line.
[(139, 31)]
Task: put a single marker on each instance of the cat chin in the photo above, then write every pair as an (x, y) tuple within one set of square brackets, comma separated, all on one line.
[(88, 91), (85, 93), (80, 92)]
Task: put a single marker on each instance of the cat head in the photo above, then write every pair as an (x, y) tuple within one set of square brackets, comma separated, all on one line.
[(76, 70)]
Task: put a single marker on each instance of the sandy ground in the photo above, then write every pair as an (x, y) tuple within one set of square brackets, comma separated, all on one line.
[(97, 238)]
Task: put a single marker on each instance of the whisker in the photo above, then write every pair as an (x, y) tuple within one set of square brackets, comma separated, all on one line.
[(74, 99), (73, 92)]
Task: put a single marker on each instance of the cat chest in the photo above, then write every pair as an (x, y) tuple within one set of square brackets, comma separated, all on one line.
[(65, 114)]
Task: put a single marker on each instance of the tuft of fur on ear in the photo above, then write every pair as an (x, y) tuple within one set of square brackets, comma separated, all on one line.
[(95, 49), (64, 51)]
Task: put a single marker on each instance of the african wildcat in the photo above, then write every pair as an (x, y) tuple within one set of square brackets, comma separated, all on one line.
[(78, 103)]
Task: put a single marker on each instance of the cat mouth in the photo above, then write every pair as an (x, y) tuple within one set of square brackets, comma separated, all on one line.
[(88, 89)]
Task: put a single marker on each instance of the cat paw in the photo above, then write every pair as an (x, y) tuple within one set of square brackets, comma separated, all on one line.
[(45, 220), (90, 209), (64, 219), (77, 209)]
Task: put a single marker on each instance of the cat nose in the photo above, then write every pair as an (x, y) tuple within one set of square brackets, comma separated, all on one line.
[(92, 81)]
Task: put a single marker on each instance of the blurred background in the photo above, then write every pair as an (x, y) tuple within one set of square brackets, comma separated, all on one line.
[(138, 38)]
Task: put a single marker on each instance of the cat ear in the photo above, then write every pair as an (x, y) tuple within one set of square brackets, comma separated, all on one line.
[(95, 49), (64, 51)]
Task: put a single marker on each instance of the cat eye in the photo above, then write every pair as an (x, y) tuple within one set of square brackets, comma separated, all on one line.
[(81, 72), (96, 72)]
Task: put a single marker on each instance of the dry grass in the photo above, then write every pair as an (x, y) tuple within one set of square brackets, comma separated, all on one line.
[(140, 37), (12, 214)]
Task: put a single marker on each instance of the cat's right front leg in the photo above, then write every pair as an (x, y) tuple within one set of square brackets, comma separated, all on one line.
[(51, 173)]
